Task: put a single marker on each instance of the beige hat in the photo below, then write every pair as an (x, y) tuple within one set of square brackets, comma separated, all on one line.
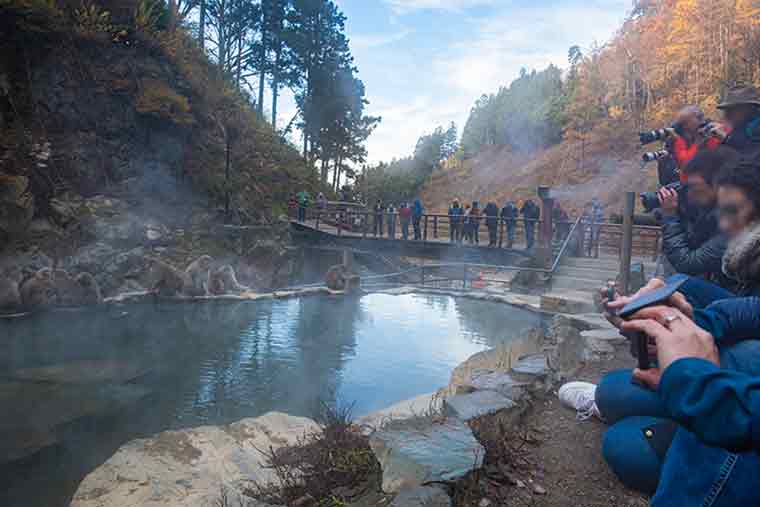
[(740, 95)]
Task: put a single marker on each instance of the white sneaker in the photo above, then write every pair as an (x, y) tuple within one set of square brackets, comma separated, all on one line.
[(580, 397)]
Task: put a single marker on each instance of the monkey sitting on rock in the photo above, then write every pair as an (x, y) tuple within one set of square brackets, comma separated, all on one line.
[(10, 297), (38, 291), (164, 279), (223, 281), (197, 276)]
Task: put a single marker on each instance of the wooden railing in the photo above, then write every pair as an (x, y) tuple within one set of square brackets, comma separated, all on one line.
[(352, 219)]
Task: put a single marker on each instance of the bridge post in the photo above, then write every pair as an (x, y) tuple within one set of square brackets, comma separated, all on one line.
[(546, 228), (435, 227), (627, 243), (348, 260), (365, 223), (424, 234)]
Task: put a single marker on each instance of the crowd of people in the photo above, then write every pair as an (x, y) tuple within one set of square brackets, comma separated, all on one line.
[(686, 430), (464, 221)]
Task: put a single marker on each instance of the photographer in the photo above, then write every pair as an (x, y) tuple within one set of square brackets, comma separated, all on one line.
[(689, 135), (741, 110), (692, 243)]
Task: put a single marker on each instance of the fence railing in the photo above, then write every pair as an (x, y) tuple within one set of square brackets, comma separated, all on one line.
[(355, 220)]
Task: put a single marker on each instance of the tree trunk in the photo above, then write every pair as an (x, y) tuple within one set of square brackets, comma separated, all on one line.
[(276, 84), (263, 57), (172, 15), (222, 37), (202, 24)]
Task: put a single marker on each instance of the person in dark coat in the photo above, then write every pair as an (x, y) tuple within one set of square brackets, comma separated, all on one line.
[(531, 214), (475, 216), (692, 244), (741, 110), (417, 212), (509, 214), (379, 211), (491, 212), (455, 221)]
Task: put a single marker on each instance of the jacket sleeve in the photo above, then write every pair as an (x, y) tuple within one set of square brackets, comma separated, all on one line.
[(707, 258), (731, 319), (721, 407)]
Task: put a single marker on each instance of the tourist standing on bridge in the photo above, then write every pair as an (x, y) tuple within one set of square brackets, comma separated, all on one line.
[(391, 221), (491, 211), (531, 214), (417, 212), (321, 202), (405, 217), (379, 218), (475, 214), (304, 200), (292, 206), (456, 214), (509, 214)]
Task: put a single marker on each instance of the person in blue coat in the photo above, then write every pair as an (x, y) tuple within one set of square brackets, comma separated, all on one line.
[(417, 212)]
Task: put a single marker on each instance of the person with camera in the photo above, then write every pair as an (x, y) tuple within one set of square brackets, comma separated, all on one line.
[(691, 242), (741, 110), (641, 428)]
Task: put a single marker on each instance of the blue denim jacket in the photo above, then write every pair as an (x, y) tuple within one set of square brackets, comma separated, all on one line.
[(721, 407)]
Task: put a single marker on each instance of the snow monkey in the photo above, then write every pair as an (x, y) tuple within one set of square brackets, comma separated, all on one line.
[(38, 290), (197, 275), (164, 279), (223, 280)]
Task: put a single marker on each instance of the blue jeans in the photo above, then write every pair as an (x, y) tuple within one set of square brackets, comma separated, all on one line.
[(510, 234), (637, 446), (529, 234)]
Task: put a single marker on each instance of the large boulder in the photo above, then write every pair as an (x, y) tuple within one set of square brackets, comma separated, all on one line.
[(415, 452), (189, 468)]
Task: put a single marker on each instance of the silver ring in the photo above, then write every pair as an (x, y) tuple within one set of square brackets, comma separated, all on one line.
[(670, 319)]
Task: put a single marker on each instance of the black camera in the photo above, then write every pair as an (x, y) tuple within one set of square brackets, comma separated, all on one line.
[(659, 134), (652, 156), (651, 201)]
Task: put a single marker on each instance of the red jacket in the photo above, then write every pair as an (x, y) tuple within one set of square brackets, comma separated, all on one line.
[(683, 152)]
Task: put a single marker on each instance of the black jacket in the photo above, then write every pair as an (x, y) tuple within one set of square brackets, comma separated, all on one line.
[(746, 138), (510, 212), (696, 247), (530, 210), (491, 211)]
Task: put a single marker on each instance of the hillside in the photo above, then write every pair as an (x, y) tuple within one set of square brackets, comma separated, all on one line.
[(114, 138), (611, 167)]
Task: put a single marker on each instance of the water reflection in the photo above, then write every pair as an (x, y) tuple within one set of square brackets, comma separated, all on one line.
[(89, 380)]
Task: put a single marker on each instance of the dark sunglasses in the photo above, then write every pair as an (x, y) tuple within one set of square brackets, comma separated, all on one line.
[(729, 210)]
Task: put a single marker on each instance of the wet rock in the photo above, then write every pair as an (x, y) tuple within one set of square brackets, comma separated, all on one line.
[(531, 367), (599, 344), (188, 468), (477, 404), (416, 452), (491, 380), (568, 301), (415, 407), (422, 496), (500, 358), (538, 489), (91, 258)]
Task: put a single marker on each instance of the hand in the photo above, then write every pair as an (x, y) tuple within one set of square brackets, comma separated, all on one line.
[(668, 200), (677, 338), (650, 378), (716, 129), (621, 301), (672, 133)]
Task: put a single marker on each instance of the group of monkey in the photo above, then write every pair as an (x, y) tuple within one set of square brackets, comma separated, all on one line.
[(49, 287)]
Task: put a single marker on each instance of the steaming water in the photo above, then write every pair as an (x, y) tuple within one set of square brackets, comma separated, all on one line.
[(92, 380)]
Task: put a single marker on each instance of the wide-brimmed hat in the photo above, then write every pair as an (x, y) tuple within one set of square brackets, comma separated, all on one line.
[(739, 96)]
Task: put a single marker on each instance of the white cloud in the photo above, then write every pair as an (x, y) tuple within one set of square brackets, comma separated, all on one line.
[(369, 41), (403, 6)]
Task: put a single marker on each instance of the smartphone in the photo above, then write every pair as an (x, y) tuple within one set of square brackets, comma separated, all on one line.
[(655, 297), (639, 341)]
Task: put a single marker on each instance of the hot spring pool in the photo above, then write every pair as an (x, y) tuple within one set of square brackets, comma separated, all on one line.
[(89, 380)]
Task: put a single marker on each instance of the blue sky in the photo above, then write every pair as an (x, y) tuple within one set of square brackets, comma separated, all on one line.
[(425, 62)]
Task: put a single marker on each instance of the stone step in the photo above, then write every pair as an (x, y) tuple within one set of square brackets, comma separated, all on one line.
[(607, 263), (414, 452), (603, 275), (572, 283), (477, 404), (568, 301)]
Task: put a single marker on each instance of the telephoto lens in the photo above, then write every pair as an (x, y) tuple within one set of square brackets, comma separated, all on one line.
[(652, 136), (652, 156)]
